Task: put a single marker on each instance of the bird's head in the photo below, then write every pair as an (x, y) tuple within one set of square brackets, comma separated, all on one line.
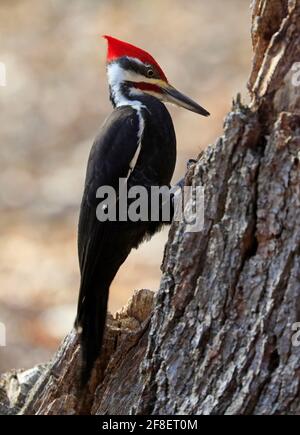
[(133, 69)]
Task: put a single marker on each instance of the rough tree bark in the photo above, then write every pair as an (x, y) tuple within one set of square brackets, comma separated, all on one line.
[(217, 338)]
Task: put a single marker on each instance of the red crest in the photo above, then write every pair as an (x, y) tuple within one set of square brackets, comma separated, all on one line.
[(117, 48)]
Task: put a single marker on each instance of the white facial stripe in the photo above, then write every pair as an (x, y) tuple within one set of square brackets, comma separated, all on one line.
[(116, 74), (136, 91)]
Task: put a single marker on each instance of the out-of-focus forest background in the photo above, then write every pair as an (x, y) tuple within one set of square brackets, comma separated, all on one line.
[(54, 102)]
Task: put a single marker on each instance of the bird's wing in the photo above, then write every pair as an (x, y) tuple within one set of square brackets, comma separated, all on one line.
[(109, 159)]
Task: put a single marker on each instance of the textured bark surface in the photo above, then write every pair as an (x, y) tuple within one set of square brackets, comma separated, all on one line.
[(220, 336), (53, 389)]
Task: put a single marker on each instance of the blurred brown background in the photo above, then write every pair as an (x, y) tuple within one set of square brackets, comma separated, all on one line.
[(53, 104)]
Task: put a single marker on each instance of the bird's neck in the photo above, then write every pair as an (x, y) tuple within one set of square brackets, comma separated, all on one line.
[(124, 94), (119, 94)]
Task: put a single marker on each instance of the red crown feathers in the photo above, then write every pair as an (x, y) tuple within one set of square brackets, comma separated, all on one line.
[(117, 48)]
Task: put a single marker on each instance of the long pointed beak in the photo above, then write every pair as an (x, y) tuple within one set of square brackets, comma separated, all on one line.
[(173, 96)]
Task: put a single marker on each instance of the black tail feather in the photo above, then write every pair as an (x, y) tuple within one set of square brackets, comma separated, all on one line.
[(90, 323)]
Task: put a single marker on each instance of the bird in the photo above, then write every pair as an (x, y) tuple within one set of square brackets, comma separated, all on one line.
[(137, 143)]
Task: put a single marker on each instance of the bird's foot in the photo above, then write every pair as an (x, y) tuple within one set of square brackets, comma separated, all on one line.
[(189, 164)]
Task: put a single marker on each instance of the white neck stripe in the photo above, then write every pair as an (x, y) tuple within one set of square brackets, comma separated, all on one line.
[(116, 76)]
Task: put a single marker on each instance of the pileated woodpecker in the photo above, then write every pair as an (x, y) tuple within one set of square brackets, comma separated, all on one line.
[(137, 142)]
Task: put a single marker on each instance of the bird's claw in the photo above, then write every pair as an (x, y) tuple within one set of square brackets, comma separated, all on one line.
[(189, 163)]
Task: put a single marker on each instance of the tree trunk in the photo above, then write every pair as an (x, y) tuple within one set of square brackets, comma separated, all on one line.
[(219, 337)]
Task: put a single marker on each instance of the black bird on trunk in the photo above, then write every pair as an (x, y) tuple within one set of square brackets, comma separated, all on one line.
[(137, 143)]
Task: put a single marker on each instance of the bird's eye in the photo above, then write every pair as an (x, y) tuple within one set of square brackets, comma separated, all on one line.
[(150, 72)]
